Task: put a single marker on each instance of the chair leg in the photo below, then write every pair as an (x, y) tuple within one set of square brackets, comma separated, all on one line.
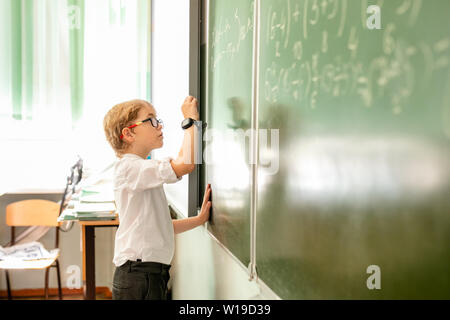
[(46, 282), (59, 280), (8, 285)]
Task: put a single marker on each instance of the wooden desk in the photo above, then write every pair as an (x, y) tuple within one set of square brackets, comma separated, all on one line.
[(88, 235)]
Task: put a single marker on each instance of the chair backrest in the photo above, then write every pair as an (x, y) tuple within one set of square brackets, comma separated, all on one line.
[(33, 212)]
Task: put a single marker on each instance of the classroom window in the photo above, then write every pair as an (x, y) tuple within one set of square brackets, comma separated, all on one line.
[(63, 65)]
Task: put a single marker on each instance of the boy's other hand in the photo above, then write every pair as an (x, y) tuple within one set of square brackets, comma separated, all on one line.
[(189, 108), (206, 206)]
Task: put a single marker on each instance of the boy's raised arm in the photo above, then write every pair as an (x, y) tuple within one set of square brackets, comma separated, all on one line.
[(184, 163)]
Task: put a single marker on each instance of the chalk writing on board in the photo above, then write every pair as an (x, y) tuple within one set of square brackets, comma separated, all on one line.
[(306, 78), (228, 35), (309, 76)]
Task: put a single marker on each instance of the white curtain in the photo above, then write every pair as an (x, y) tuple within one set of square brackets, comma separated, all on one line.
[(47, 117)]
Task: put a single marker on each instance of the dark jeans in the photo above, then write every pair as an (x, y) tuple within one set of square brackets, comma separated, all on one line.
[(136, 280)]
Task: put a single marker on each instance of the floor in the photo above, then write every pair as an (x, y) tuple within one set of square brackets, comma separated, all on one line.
[(99, 296), (71, 297)]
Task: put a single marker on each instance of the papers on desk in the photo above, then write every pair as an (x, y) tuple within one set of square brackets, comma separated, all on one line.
[(97, 217), (100, 207), (103, 189), (95, 211), (91, 207), (93, 202), (71, 214), (67, 215), (96, 198)]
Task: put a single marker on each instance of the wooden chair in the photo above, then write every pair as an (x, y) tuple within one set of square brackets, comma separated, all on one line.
[(40, 216), (34, 213)]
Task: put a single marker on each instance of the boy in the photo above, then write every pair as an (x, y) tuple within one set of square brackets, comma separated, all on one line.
[(144, 243)]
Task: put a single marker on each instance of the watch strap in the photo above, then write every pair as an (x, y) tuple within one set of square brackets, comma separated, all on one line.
[(187, 123)]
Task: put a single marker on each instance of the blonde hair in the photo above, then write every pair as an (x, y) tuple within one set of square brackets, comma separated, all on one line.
[(118, 117)]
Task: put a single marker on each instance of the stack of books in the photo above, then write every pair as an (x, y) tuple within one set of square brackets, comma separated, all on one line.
[(95, 210), (91, 205)]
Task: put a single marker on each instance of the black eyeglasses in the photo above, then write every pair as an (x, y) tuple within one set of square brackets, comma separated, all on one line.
[(155, 122)]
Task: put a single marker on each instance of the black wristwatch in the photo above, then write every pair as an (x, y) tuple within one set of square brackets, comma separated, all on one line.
[(186, 123)]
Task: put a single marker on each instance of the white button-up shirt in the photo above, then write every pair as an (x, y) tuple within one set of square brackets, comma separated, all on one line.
[(146, 230)]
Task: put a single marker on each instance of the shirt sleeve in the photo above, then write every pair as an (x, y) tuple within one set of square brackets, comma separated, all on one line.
[(147, 174)]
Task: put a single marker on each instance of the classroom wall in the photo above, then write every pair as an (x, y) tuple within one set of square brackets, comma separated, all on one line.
[(70, 245)]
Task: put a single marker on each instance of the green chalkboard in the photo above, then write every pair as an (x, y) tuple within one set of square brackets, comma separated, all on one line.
[(358, 188), (353, 181), (229, 111)]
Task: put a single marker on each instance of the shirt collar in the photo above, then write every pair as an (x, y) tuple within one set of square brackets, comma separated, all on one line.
[(131, 155)]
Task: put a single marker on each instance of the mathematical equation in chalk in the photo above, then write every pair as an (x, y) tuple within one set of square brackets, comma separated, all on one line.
[(230, 34), (304, 76), (315, 49)]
